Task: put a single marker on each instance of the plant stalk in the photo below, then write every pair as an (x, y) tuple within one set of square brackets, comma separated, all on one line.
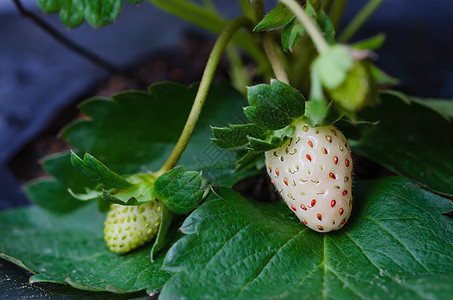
[(337, 12), (310, 27), (358, 20), (209, 20), (274, 59), (208, 75), (327, 5)]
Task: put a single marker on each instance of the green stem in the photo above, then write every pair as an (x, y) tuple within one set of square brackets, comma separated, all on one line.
[(337, 12), (326, 6), (274, 59), (358, 20), (310, 27), (209, 20), (209, 4), (260, 11), (238, 74), (216, 53)]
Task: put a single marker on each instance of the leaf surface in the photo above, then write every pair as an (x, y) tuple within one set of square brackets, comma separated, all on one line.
[(14, 284), (97, 13), (179, 190), (71, 249), (278, 17), (412, 140), (136, 132), (397, 245), (274, 106), (97, 171)]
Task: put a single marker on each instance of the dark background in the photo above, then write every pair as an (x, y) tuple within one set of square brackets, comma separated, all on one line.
[(39, 77)]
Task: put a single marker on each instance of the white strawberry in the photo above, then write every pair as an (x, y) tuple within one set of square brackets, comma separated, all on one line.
[(129, 227), (312, 171)]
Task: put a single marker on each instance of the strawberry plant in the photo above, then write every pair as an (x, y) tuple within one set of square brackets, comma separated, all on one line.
[(149, 198)]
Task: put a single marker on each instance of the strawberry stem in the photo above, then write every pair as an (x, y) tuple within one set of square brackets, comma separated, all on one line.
[(274, 59), (358, 20), (311, 28), (211, 66)]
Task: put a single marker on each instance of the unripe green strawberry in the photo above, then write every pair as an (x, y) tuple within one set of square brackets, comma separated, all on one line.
[(129, 227), (312, 171), (354, 92)]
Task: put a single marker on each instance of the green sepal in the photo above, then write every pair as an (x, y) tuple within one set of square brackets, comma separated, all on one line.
[(291, 34), (106, 196), (273, 140), (381, 77), (87, 196), (179, 190), (236, 135), (103, 206), (274, 106), (330, 115), (273, 109), (326, 26), (249, 160), (332, 66), (97, 171), (140, 193), (162, 235), (278, 17), (293, 31), (372, 43)]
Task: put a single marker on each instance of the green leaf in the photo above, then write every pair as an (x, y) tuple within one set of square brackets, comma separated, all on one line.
[(14, 284), (293, 31), (273, 140), (274, 106), (97, 13), (51, 195), (179, 190), (59, 166), (97, 171), (141, 191), (164, 234), (323, 115), (444, 107), (381, 77), (136, 132), (316, 108), (87, 196), (278, 17), (372, 43), (131, 200), (411, 140), (397, 245), (236, 136), (249, 160), (332, 66), (71, 249), (291, 34), (326, 26)]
